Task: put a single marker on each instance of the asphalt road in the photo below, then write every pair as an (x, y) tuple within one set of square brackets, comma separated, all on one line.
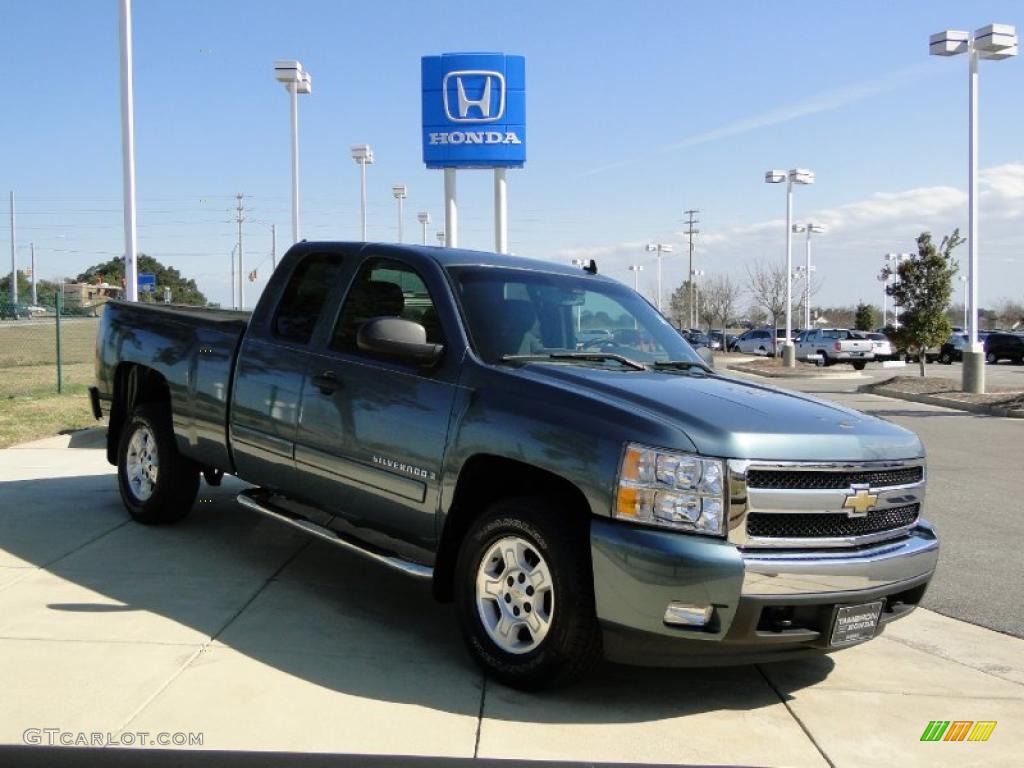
[(975, 500)]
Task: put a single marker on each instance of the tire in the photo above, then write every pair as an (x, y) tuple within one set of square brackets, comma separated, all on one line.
[(158, 485), (990, 358), (545, 546), (859, 365), (945, 358)]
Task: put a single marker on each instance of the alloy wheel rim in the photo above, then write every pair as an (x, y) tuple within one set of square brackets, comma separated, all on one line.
[(142, 464), (515, 596)]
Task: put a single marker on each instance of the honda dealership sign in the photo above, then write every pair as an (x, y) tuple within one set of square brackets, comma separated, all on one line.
[(474, 110)]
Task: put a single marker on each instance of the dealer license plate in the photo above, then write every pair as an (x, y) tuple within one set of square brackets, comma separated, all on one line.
[(855, 623)]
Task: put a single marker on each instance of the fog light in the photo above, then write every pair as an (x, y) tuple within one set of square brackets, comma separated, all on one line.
[(686, 615)]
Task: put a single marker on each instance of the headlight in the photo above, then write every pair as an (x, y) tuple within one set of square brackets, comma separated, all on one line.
[(673, 490)]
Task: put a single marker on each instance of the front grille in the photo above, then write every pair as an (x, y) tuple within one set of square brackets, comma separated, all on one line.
[(825, 525), (825, 480)]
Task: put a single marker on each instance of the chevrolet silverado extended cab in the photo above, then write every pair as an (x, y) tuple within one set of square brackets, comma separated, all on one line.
[(446, 413), (835, 345)]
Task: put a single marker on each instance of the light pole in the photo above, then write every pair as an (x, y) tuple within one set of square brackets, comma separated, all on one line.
[(695, 275), (423, 217), (962, 278), (578, 309), (996, 41), (791, 177), (363, 155), (659, 249), (810, 228), (296, 80), (400, 193), (233, 252), (131, 280), (884, 280), (636, 269), (894, 260), (440, 237)]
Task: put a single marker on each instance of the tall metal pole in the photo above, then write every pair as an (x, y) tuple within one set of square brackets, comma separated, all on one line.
[(690, 232), (424, 225), (32, 250), (362, 197), (974, 365), (234, 305), (500, 211), (273, 246), (659, 279), (787, 348), (966, 285), (293, 91), (451, 210), (13, 288), (400, 219), (131, 280), (807, 281), (241, 262)]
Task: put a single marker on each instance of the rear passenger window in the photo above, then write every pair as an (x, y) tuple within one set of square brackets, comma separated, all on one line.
[(304, 297)]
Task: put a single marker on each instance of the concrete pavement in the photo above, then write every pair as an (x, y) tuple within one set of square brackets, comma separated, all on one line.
[(262, 639)]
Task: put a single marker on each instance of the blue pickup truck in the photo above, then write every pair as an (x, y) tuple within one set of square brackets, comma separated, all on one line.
[(456, 415)]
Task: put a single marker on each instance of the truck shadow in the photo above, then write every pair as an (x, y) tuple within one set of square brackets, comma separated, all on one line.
[(271, 600)]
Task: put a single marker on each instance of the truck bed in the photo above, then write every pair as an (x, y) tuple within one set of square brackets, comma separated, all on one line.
[(194, 349)]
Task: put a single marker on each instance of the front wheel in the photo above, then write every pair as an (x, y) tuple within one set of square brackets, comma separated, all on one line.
[(859, 365), (991, 358), (158, 485), (525, 596)]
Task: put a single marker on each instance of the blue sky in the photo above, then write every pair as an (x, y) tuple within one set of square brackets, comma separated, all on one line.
[(636, 111)]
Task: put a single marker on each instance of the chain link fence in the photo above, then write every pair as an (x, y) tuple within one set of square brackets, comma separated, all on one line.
[(43, 351)]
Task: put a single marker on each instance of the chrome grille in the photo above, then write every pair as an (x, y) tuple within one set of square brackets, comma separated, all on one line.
[(829, 525), (770, 478)]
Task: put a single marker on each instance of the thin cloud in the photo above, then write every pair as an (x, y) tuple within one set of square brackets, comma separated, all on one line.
[(822, 102)]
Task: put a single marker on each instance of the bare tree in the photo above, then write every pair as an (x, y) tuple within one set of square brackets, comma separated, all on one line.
[(766, 283), (719, 297)]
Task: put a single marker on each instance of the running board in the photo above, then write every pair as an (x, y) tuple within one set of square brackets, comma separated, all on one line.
[(255, 499)]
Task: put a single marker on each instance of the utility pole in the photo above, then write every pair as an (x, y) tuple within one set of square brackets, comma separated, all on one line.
[(14, 260), (239, 218), (32, 250), (273, 246), (690, 232)]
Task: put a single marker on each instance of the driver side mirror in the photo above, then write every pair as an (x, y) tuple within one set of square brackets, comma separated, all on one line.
[(398, 339)]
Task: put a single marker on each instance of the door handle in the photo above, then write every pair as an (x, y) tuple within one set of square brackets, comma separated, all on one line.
[(327, 382)]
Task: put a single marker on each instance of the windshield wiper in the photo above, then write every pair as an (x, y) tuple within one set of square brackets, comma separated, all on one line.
[(593, 357), (683, 365)]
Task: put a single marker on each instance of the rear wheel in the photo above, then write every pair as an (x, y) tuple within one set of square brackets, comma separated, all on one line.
[(525, 596), (859, 365), (945, 358), (158, 485), (991, 358)]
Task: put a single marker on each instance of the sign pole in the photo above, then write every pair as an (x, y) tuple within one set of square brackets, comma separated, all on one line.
[(451, 210), (500, 211)]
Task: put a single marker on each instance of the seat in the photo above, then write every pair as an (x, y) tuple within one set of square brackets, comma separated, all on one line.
[(374, 298)]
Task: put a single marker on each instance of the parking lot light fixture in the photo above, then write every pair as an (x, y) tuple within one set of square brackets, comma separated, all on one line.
[(636, 269), (893, 260), (811, 229), (363, 155), (400, 192), (296, 80), (793, 176), (658, 249), (423, 217), (994, 42), (440, 237)]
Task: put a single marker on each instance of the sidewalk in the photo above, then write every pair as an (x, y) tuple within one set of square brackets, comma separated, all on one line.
[(263, 639)]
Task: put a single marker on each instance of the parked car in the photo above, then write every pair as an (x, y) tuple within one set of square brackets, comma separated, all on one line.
[(756, 341), (835, 345), (931, 354), (725, 342), (697, 339), (593, 337), (14, 311), (427, 408), (883, 348), (952, 349), (1004, 346)]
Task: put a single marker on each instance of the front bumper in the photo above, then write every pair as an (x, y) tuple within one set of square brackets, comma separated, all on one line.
[(767, 605)]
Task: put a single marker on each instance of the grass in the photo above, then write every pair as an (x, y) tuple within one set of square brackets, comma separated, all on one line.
[(30, 407)]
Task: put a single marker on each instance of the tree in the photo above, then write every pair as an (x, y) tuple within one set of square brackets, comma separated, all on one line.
[(865, 319), (922, 289), (766, 284), (45, 290), (718, 299), (182, 291), (679, 306)]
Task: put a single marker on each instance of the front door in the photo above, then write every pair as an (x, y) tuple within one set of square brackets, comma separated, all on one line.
[(372, 432)]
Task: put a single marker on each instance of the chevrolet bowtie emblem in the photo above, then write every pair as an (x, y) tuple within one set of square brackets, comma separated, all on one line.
[(859, 502)]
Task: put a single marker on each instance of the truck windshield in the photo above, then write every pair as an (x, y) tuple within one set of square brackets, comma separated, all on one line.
[(515, 312)]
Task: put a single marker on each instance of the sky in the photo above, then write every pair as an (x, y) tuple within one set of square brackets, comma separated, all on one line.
[(636, 111)]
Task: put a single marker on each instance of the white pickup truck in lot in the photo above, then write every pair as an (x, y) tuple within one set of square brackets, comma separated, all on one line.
[(835, 345)]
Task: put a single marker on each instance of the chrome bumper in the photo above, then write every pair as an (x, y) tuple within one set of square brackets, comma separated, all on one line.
[(797, 573)]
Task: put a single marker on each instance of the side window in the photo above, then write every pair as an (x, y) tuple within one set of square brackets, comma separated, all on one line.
[(385, 288), (304, 297)]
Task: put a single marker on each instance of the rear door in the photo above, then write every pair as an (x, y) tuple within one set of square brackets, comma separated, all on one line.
[(270, 372), (372, 432)]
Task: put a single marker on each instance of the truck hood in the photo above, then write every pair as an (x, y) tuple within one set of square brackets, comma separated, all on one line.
[(734, 418)]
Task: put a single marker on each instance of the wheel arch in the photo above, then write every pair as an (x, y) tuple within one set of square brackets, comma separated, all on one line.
[(134, 384), (483, 479)]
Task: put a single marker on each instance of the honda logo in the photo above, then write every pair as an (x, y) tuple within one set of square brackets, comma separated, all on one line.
[(474, 96)]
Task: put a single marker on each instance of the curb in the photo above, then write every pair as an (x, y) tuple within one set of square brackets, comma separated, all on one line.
[(945, 402), (739, 368)]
